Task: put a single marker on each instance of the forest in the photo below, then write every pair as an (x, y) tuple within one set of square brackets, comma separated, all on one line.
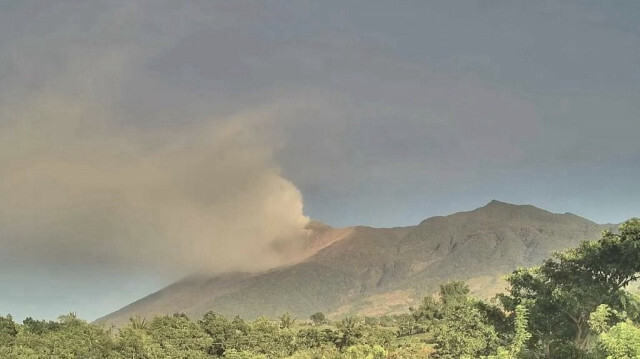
[(576, 304)]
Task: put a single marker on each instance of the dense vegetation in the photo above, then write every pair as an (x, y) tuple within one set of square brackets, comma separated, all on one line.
[(575, 305)]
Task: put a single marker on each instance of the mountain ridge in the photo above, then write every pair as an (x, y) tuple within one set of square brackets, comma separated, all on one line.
[(365, 270)]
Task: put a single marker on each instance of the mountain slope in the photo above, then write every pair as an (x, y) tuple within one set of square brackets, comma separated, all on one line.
[(380, 270)]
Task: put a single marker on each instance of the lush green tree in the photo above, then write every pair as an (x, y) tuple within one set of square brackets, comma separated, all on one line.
[(39, 326), (263, 336), (376, 335), (310, 338), (458, 323), (72, 338), (464, 331), (178, 337), (8, 330), (618, 336), (8, 333), (410, 324), (622, 341), (133, 343), (561, 294), (454, 294), (224, 333), (520, 338), (422, 318)]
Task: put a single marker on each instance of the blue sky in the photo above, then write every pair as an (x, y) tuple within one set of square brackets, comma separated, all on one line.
[(140, 137)]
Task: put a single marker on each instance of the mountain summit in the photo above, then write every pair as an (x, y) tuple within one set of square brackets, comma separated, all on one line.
[(372, 271)]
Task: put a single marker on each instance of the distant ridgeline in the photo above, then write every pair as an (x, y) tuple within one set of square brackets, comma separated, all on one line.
[(572, 305)]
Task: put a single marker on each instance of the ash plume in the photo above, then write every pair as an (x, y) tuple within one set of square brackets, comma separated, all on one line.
[(79, 188)]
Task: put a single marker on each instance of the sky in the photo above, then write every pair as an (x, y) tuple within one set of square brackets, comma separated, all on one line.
[(141, 141)]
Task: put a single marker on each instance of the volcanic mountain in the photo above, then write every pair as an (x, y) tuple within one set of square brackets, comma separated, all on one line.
[(373, 271)]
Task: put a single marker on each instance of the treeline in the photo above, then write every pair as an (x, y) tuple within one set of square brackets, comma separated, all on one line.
[(214, 335), (575, 305)]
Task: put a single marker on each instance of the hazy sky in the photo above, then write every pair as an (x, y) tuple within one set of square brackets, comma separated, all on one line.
[(142, 140)]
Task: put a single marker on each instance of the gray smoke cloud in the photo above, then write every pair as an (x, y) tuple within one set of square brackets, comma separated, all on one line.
[(78, 187)]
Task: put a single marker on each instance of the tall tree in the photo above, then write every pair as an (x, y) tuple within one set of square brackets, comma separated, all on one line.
[(561, 294)]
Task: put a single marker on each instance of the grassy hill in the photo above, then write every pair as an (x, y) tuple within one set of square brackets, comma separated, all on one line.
[(371, 271)]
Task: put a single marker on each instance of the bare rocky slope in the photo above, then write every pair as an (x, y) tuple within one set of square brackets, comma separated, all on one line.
[(373, 271)]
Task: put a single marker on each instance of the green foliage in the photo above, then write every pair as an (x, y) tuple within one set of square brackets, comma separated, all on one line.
[(242, 354), (351, 332), (8, 331), (266, 338), (310, 338), (520, 338), (39, 326), (522, 334), (415, 351), (177, 336), (622, 341), (561, 294), (459, 324), (464, 331), (226, 334), (323, 352), (364, 351), (600, 319), (73, 338), (454, 294), (409, 325)]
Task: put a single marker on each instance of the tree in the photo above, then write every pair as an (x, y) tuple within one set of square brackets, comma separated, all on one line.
[(622, 341), (175, 336), (8, 333), (350, 331), (364, 351), (561, 294), (39, 326), (520, 338), (133, 342), (318, 318), (619, 338), (225, 334), (286, 321), (454, 294), (464, 332), (310, 338), (72, 338), (459, 324)]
